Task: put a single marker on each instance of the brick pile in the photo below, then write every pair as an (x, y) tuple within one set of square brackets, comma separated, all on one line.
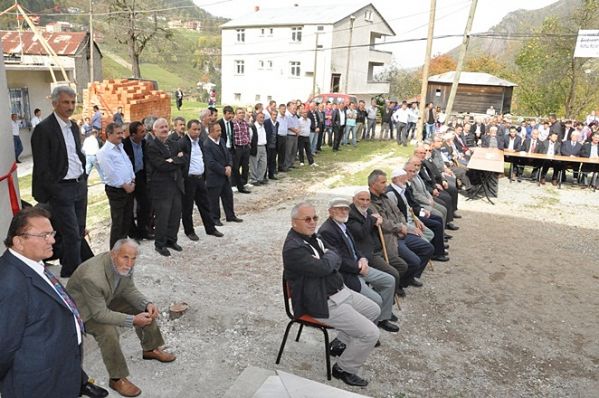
[(137, 97)]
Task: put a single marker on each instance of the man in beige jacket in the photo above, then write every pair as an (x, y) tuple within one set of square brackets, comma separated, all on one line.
[(107, 299)]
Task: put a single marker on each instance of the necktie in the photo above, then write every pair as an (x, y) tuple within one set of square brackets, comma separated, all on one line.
[(65, 296), (533, 146)]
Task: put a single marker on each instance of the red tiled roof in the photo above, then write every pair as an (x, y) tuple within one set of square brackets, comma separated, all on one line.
[(63, 43)]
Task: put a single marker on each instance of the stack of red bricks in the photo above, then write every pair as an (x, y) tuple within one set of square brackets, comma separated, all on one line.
[(138, 98)]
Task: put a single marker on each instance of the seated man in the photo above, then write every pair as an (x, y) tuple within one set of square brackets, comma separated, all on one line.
[(396, 192), (449, 170), (590, 149), (413, 249), (354, 266), (317, 289), (512, 143), (421, 194), (551, 148), (107, 298), (364, 224)]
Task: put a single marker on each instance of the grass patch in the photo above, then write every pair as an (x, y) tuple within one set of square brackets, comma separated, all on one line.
[(191, 109), (113, 70)]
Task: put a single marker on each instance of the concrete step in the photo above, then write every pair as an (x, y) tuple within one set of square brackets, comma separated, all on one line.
[(272, 388), (248, 382)]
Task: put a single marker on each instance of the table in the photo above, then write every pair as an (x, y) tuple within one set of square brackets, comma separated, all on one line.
[(559, 158), (489, 161)]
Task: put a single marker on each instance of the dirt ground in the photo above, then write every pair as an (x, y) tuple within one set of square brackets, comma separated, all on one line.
[(515, 313)]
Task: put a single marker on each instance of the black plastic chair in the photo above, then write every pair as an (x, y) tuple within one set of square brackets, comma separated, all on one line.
[(304, 320)]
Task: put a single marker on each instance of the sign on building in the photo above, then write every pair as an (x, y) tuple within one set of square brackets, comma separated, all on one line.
[(587, 44)]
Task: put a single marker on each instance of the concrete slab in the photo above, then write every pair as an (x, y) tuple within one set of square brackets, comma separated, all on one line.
[(272, 388), (248, 382), (299, 387)]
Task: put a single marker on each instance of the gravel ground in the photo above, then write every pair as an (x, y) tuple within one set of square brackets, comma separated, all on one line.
[(513, 314)]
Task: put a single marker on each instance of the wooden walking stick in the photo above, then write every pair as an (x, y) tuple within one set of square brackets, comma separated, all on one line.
[(382, 238)]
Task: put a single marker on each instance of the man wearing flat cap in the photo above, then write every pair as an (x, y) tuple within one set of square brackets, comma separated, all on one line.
[(377, 285)]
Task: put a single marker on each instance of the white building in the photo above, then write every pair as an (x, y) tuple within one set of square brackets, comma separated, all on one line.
[(293, 52)]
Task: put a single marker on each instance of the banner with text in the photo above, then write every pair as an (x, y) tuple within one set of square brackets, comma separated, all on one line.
[(587, 44)]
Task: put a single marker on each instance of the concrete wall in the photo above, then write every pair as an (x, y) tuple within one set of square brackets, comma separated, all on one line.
[(38, 85), (7, 153), (81, 75)]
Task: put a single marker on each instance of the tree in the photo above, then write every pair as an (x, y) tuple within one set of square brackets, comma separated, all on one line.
[(485, 63), (403, 83), (135, 28), (550, 78), (441, 63), (207, 58)]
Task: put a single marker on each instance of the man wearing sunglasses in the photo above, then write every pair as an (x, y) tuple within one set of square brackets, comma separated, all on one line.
[(40, 326), (317, 289)]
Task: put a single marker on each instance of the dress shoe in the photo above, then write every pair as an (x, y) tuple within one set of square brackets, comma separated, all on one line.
[(388, 326), (236, 219), (415, 282), (378, 343), (124, 387), (348, 378), (543, 181), (446, 245), (218, 223), (447, 236), (400, 292), (148, 236), (393, 318), (65, 275), (163, 251), (456, 215), (273, 178), (174, 246), (336, 348), (193, 236), (216, 233), (159, 355), (554, 183), (243, 190), (91, 390), (440, 258), (452, 227)]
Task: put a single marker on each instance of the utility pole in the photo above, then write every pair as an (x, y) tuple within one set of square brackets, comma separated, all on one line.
[(352, 18), (91, 42), (460, 65), (315, 64), (427, 62)]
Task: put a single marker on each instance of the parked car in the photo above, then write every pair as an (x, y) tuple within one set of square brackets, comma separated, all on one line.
[(338, 98)]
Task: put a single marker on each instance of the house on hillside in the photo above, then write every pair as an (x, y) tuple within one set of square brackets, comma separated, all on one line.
[(476, 92), (28, 67), (293, 52)]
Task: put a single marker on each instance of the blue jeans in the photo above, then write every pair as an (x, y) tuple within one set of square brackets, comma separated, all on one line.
[(416, 251), (430, 131), (18, 146), (349, 129), (90, 162), (313, 142)]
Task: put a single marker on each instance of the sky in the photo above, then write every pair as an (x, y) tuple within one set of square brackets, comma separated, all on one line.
[(409, 19)]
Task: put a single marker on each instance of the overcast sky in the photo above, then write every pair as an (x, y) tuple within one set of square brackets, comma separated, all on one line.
[(451, 18)]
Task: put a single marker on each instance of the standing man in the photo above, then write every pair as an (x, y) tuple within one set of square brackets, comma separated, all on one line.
[(271, 126), (119, 180), (135, 147), (36, 119), (431, 119), (315, 131), (361, 120), (400, 119), (292, 134), (339, 121), (218, 170), (350, 125), (166, 187), (179, 98), (97, 119), (118, 116), (59, 177), (413, 116), (108, 299), (370, 131), (303, 139), (195, 186), (241, 143), (16, 137), (281, 138), (40, 325), (178, 129), (258, 150)]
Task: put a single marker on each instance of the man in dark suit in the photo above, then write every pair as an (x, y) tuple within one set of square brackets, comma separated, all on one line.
[(59, 175), (492, 140), (195, 185), (551, 147), (571, 148), (166, 187), (40, 328), (512, 143), (226, 128), (532, 145), (135, 147), (354, 266), (271, 126), (218, 163), (338, 119)]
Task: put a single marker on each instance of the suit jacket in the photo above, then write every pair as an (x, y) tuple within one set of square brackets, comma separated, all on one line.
[(223, 133), (165, 176), (184, 145), (50, 163), (556, 147), (486, 140), (92, 287), (39, 352), (365, 232), (128, 147), (216, 158), (568, 150), (585, 151), (335, 118), (517, 142), (526, 146), (271, 133), (421, 193), (334, 238)]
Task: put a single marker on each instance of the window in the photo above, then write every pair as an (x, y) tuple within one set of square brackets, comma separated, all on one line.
[(271, 31), (269, 98), (262, 31), (260, 64), (269, 64), (296, 35), (237, 97), (19, 103), (239, 67), (257, 97), (320, 28), (240, 35), (295, 68), (368, 15)]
